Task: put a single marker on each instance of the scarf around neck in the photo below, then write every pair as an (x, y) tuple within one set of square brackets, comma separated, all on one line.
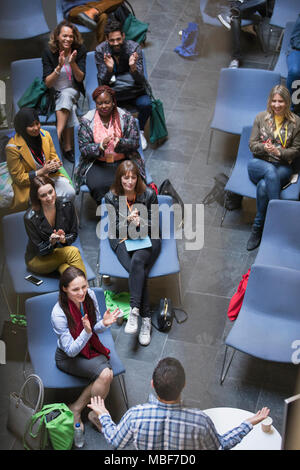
[(93, 347)]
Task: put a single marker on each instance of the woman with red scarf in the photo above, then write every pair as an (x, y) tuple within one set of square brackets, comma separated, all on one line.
[(77, 321)]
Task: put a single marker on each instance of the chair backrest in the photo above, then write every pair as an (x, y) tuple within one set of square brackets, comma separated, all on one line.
[(52, 131), (91, 81), (280, 241), (284, 11), (240, 99), (281, 65), (42, 342), (60, 17), (23, 72), (273, 291), (21, 19)]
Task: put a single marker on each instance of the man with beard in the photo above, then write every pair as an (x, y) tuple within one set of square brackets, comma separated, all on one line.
[(117, 57)]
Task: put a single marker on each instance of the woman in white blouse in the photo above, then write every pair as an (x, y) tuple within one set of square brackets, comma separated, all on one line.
[(77, 321)]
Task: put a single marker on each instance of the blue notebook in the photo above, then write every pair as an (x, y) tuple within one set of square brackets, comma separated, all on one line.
[(138, 244)]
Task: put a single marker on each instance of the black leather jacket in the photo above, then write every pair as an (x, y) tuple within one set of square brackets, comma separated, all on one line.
[(39, 230), (120, 227)]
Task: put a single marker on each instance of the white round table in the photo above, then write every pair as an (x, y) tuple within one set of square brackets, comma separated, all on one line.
[(226, 419)]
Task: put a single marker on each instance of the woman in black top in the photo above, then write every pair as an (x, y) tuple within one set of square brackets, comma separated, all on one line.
[(134, 220), (64, 70), (51, 226)]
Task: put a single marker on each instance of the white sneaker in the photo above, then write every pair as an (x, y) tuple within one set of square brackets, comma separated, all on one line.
[(225, 21), (145, 332), (132, 324), (143, 140), (234, 64)]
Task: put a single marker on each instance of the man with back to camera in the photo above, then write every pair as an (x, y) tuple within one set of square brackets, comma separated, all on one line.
[(164, 423), (116, 56)]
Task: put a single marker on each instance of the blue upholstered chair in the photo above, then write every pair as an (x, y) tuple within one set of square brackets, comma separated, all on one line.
[(279, 246), (281, 64), (240, 99), (23, 72), (42, 343), (269, 321), (167, 262), (21, 19)]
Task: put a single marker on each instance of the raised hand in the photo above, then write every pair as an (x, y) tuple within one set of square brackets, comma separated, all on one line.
[(97, 405), (109, 62), (110, 318)]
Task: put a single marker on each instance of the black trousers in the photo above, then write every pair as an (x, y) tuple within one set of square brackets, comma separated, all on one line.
[(241, 11), (100, 177), (138, 264)]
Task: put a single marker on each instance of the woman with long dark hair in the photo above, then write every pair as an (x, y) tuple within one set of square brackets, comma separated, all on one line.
[(77, 322), (52, 227), (134, 220), (107, 136)]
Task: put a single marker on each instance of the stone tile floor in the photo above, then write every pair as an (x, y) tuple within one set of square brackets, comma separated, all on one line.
[(209, 276)]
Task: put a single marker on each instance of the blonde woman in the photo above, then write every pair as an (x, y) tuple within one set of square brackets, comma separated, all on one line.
[(275, 144)]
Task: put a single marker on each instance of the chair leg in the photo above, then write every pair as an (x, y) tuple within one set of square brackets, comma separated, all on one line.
[(209, 145), (224, 372), (122, 383), (80, 209), (223, 215), (179, 288)]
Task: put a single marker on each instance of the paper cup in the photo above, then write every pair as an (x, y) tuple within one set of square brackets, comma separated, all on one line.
[(266, 424)]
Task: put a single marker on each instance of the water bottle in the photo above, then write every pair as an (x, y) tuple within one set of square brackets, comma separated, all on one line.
[(78, 436)]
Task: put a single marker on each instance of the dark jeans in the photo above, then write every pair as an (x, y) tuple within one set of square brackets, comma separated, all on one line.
[(138, 264), (100, 177), (243, 11), (293, 63), (144, 107), (269, 179)]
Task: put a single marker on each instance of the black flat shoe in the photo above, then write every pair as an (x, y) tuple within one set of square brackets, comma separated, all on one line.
[(255, 238), (69, 155), (87, 21)]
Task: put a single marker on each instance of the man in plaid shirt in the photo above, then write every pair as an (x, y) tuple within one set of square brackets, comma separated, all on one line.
[(164, 424)]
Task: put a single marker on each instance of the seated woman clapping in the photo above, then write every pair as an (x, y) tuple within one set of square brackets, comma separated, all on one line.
[(51, 225), (107, 136), (77, 322), (275, 144), (129, 184), (31, 153)]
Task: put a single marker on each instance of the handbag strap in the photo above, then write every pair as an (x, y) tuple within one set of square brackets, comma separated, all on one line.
[(40, 399), (180, 321)]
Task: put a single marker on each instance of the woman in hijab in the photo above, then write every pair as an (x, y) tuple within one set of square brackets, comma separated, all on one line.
[(107, 136), (31, 153)]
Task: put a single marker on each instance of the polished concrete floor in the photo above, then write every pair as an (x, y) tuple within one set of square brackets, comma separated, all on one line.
[(209, 276)]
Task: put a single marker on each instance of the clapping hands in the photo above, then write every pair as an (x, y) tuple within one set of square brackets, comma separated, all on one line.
[(134, 217)]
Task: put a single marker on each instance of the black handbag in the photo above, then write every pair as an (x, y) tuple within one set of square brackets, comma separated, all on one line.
[(164, 315), (126, 88), (167, 189)]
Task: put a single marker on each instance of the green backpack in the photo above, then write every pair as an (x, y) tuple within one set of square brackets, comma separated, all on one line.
[(52, 427), (134, 29), (40, 97)]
